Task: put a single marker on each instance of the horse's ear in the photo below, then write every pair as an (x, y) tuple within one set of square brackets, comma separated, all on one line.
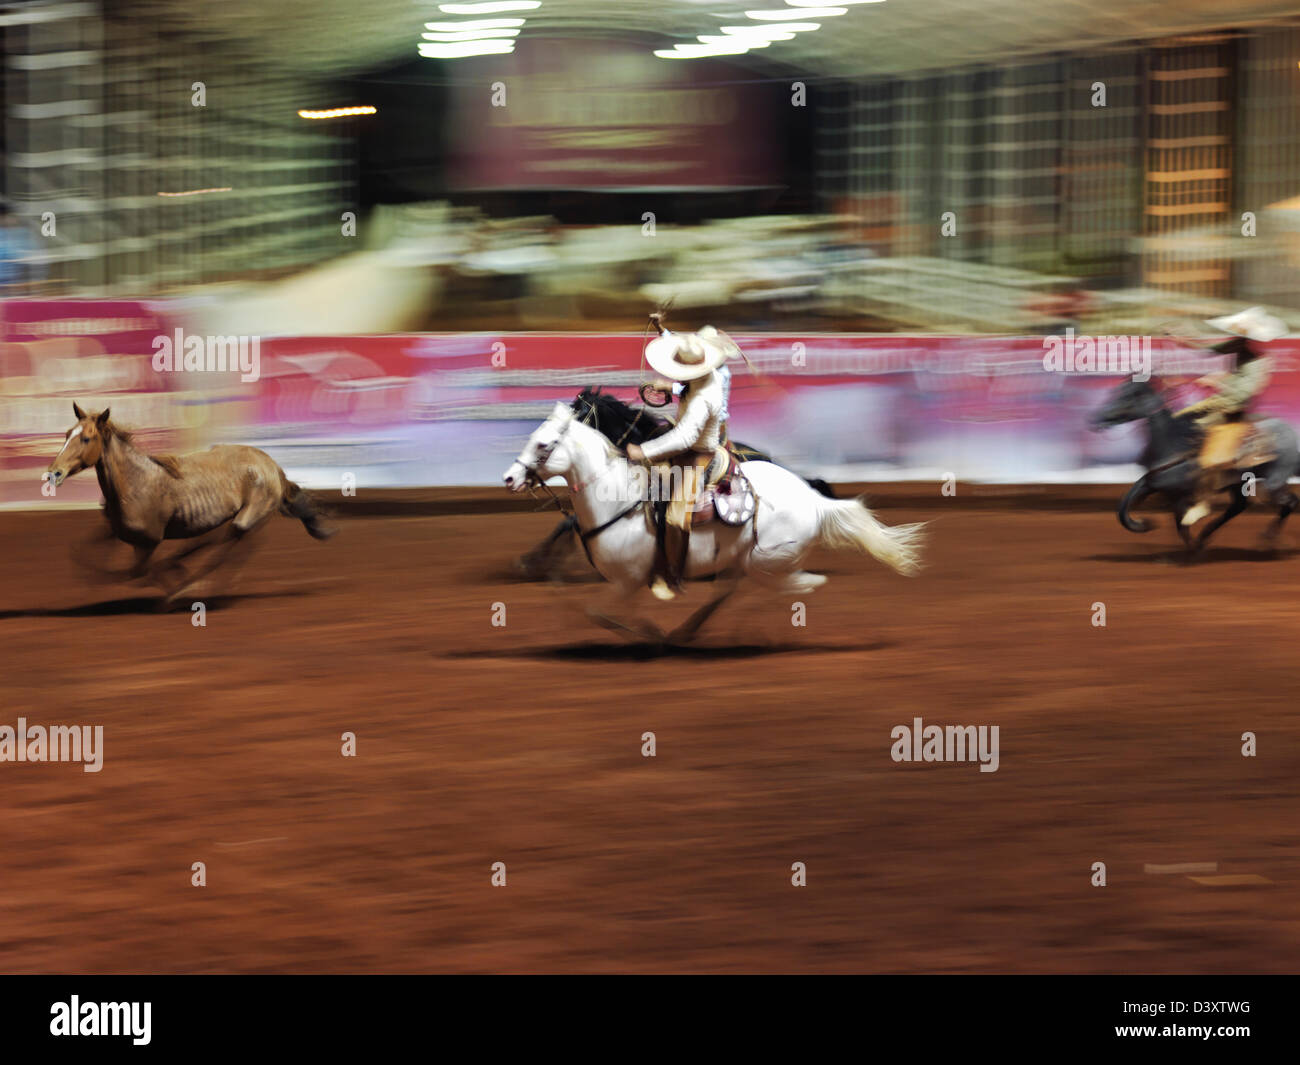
[(78, 412), (102, 419)]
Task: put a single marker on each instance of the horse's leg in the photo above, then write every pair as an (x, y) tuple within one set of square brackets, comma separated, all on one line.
[(221, 551), (1193, 547), (795, 582), (1286, 502), (248, 519), (1137, 493), (91, 546), (542, 559), (171, 575), (636, 628), (1240, 501), (1184, 531), (216, 552), (685, 632), (200, 543), (140, 566)]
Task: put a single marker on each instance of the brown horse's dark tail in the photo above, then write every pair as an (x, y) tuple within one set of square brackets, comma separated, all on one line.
[(297, 503)]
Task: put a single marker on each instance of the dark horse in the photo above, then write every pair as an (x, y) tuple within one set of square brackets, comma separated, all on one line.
[(624, 424), (1173, 472)]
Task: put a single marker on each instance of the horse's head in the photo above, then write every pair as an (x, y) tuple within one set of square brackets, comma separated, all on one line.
[(1130, 402), (82, 448), (546, 454)]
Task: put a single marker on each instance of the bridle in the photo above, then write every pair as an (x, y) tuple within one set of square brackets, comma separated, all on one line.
[(535, 480)]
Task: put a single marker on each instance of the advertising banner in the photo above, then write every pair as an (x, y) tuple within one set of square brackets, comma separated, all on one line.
[(428, 410)]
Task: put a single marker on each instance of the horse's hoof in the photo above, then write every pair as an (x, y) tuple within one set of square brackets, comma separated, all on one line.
[(177, 598), (530, 571)]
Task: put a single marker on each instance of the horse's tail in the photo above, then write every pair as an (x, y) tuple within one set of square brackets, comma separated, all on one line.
[(849, 523), (295, 502)]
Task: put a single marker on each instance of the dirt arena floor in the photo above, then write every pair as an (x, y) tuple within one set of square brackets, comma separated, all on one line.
[(522, 744)]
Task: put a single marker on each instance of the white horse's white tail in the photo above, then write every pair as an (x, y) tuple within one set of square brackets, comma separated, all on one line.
[(849, 523)]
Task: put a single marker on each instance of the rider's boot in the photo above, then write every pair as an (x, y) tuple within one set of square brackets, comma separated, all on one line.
[(1217, 453), (678, 573), (659, 586), (667, 580)]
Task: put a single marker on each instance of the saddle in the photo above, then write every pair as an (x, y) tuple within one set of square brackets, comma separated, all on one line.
[(726, 494), (1256, 447), (1239, 445)]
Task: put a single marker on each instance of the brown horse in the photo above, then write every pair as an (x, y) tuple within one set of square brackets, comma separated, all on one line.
[(151, 498)]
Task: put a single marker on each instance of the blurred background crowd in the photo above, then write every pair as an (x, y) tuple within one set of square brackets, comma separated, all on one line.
[(886, 170)]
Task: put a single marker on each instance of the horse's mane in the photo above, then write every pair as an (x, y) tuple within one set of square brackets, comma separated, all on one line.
[(169, 463), (1183, 433), (621, 423), (1186, 432)]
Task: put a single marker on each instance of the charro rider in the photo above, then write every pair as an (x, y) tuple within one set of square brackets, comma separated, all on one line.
[(686, 451), (1223, 415)]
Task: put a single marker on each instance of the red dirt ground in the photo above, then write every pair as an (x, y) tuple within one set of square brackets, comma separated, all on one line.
[(521, 744)]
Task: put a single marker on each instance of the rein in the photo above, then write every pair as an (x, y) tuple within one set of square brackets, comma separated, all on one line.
[(536, 480), (591, 534), (628, 431)]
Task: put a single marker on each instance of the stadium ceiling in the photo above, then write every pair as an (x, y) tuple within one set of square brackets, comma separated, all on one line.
[(886, 37)]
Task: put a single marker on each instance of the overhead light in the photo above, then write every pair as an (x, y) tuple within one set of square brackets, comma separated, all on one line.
[(338, 112), (768, 31), (731, 39), (463, 49), (470, 35), (839, 3), (196, 192), (703, 51), (757, 38), (780, 14), (696, 51), (491, 7), (476, 24)]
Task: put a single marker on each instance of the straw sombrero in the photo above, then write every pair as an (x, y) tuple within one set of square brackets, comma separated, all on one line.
[(688, 356), (1255, 323)]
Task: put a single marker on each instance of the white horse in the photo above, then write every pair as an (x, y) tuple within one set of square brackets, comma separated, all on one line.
[(608, 494)]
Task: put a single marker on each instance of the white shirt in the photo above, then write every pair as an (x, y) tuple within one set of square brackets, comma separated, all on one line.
[(700, 418), (724, 375)]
